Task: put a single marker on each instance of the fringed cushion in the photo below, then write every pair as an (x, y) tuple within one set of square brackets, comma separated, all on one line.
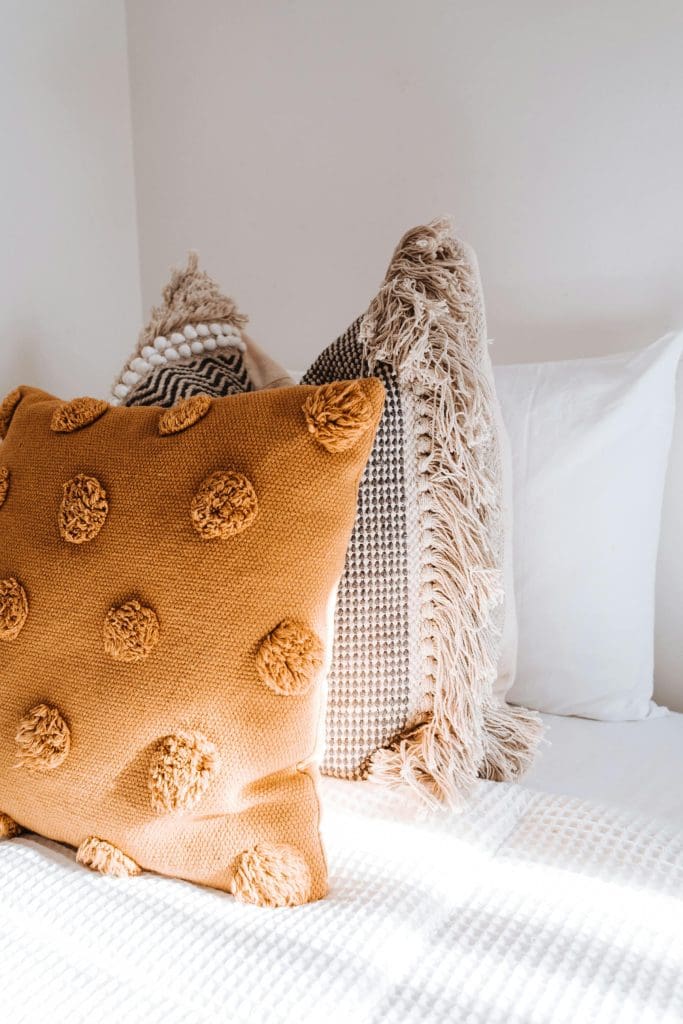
[(194, 343), (412, 687)]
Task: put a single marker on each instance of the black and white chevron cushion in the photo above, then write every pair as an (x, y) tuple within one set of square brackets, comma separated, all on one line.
[(215, 375)]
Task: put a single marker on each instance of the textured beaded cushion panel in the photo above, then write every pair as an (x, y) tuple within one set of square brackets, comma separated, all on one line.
[(166, 579), (194, 343), (423, 649)]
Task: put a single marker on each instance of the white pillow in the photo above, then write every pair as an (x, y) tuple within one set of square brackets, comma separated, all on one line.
[(590, 442)]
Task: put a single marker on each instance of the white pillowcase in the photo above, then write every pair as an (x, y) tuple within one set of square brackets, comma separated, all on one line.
[(590, 442)]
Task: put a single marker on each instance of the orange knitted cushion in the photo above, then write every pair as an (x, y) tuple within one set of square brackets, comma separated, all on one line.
[(166, 584)]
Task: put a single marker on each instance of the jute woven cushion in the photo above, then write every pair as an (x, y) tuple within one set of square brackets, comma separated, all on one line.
[(166, 580)]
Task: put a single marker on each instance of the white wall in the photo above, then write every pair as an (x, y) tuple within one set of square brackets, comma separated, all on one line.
[(293, 143), (69, 268)]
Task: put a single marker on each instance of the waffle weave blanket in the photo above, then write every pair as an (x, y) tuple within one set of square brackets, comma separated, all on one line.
[(525, 908)]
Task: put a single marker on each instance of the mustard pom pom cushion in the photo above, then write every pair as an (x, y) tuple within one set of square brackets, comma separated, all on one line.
[(166, 589)]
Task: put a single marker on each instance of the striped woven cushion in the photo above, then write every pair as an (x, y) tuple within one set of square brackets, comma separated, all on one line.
[(369, 680)]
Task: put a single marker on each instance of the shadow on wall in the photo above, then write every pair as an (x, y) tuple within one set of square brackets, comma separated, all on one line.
[(669, 610), (605, 332)]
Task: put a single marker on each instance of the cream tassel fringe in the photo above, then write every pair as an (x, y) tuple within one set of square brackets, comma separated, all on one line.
[(511, 738), (427, 322)]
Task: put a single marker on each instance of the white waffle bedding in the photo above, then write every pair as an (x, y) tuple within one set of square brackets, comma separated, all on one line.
[(529, 907)]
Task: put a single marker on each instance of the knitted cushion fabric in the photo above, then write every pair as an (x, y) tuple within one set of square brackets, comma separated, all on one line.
[(166, 579)]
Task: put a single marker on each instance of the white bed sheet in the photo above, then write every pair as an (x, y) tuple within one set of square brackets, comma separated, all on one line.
[(637, 766)]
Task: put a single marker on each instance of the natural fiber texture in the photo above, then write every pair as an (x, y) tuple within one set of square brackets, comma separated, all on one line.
[(131, 632), (180, 771), (525, 908), (417, 628), (215, 374), (4, 484), (337, 414), (135, 723), (375, 649), (511, 739), (13, 608), (105, 858), (421, 322), (78, 413), (290, 658), (184, 414), (190, 296), (426, 327), (43, 740), (271, 875), (84, 509), (224, 505)]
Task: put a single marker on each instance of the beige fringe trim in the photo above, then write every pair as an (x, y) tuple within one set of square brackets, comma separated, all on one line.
[(511, 738), (189, 297), (427, 323)]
